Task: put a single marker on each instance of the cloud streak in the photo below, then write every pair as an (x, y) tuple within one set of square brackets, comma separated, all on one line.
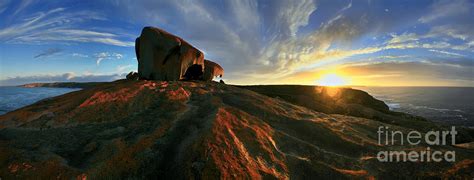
[(446, 52), (3, 5), (106, 55), (423, 73), (58, 25), (446, 8), (48, 52)]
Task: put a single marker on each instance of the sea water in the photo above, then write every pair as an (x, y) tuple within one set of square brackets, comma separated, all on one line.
[(447, 105), (12, 98)]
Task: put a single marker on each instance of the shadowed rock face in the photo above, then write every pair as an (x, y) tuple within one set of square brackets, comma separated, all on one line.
[(163, 56), (212, 70), (194, 72)]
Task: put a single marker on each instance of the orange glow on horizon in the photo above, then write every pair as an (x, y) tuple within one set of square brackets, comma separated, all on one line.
[(333, 79)]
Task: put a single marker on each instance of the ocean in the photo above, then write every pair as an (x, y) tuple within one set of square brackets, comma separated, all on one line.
[(12, 98), (446, 105)]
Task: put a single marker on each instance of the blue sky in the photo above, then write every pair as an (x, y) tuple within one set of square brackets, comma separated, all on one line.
[(399, 42)]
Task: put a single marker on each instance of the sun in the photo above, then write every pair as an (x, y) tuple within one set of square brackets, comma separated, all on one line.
[(332, 79)]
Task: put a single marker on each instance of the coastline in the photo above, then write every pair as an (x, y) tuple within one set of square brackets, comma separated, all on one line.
[(290, 93), (81, 85)]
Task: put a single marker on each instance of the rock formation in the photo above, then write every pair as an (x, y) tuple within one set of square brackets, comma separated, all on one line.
[(164, 56), (212, 70), (132, 76)]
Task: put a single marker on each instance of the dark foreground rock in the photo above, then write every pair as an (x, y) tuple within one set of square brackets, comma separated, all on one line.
[(155, 129)]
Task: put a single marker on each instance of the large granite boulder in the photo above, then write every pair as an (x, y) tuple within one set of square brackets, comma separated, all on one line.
[(163, 56), (212, 70)]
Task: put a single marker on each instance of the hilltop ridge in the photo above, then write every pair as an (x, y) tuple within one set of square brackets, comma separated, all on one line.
[(179, 129)]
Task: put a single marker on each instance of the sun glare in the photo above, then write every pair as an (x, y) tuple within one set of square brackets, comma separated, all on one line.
[(332, 79)]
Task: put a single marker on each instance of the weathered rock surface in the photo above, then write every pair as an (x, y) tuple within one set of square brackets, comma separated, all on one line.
[(212, 70), (190, 130), (163, 56)]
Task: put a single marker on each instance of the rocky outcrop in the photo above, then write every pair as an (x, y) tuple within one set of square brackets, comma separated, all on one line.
[(212, 70), (164, 56), (199, 130)]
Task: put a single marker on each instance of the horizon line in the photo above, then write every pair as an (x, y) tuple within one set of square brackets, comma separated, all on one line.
[(345, 86)]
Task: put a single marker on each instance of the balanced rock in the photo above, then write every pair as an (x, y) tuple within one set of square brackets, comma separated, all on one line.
[(163, 56)]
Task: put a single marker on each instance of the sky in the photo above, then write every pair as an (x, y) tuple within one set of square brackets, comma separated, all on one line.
[(366, 42)]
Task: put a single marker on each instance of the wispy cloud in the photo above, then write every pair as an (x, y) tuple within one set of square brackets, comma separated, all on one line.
[(4, 5), (107, 55), (80, 55), (458, 32), (125, 68), (403, 38), (48, 52), (101, 56), (22, 6), (58, 25), (447, 8), (446, 52), (345, 7), (296, 15), (411, 72)]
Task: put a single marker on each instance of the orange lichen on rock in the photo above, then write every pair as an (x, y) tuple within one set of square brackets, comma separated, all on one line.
[(351, 172), (464, 164), (236, 141), (81, 177), (15, 167), (124, 160), (122, 95), (51, 168), (178, 94), (365, 158)]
